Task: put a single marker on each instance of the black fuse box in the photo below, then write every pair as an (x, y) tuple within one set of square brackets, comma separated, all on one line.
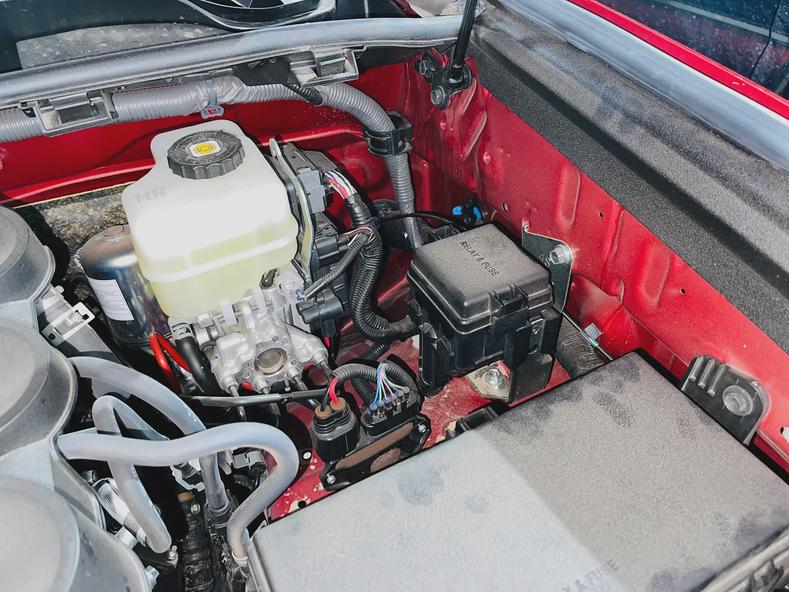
[(478, 298)]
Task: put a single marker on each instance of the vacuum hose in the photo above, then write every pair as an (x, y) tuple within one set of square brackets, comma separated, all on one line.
[(131, 488)]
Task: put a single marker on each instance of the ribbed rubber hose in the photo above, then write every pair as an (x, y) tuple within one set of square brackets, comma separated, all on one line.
[(365, 275), (128, 481), (352, 371), (86, 446), (373, 116), (122, 381), (165, 101)]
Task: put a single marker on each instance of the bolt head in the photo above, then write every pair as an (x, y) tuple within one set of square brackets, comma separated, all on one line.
[(421, 428), (195, 508), (172, 555), (560, 255), (331, 479), (494, 377), (737, 400), (438, 96)]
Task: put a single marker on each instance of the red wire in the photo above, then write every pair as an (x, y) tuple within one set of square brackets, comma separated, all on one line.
[(332, 394), (171, 351), (162, 361), (338, 188)]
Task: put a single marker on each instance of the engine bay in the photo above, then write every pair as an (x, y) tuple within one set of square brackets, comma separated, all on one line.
[(361, 293)]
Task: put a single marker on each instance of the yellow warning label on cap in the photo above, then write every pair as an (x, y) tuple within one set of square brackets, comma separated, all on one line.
[(205, 148)]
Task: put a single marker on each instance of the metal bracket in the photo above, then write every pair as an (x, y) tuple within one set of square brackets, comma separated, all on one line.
[(71, 321), (324, 67), (491, 382), (73, 112), (736, 401), (556, 256), (444, 82), (307, 230)]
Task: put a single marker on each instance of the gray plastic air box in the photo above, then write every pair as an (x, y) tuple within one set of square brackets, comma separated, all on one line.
[(612, 482)]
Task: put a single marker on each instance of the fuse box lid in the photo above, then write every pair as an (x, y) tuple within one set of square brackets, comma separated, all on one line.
[(461, 273)]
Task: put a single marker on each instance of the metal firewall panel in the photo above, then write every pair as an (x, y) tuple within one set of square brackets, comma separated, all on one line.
[(574, 490)]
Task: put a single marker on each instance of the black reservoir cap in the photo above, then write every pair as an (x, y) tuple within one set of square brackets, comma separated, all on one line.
[(205, 155), (461, 273)]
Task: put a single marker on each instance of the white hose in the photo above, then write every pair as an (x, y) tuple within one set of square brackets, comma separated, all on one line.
[(128, 481), (123, 381), (87, 446)]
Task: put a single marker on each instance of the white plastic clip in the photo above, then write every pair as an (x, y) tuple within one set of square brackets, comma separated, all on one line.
[(67, 324)]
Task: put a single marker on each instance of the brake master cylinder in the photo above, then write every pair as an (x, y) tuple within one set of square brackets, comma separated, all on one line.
[(214, 236), (209, 219)]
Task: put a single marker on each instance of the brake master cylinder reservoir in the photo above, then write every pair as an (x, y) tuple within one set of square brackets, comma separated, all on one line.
[(209, 219)]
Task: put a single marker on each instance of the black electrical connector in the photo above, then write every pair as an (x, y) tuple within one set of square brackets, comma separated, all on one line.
[(389, 415), (334, 431)]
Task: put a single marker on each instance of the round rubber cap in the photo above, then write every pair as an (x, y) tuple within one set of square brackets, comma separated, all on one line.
[(205, 155)]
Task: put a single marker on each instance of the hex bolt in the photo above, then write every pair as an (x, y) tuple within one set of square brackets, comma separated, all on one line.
[(560, 255), (494, 377), (172, 556), (331, 479), (438, 96), (421, 428)]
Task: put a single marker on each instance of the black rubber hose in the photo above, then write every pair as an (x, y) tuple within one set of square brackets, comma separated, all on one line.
[(368, 374), (365, 275), (198, 364), (371, 355), (197, 560)]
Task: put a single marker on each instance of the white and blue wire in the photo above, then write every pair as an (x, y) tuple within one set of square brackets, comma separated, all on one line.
[(386, 391)]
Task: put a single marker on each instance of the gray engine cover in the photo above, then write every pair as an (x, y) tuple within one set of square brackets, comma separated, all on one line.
[(613, 482)]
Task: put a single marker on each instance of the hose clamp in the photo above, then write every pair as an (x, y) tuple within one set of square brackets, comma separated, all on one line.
[(213, 108), (391, 143)]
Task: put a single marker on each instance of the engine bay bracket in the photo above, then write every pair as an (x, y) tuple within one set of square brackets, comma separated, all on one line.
[(555, 255)]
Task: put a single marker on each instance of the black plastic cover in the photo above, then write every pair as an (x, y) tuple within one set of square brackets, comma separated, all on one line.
[(477, 299), (460, 274)]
